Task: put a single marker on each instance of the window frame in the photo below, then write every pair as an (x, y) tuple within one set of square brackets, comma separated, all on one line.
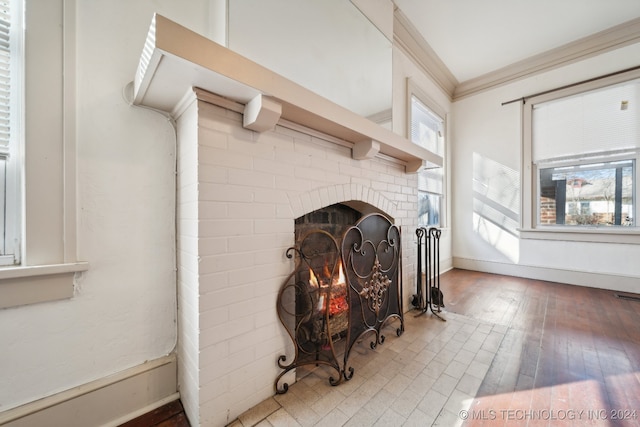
[(11, 154), (50, 264), (413, 90), (530, 228)]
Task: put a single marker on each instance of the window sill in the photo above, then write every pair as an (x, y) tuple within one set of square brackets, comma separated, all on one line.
[(622, 235), (24, 285)]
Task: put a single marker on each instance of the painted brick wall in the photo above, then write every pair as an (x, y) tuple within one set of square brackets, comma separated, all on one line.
[(187, 262), (250, 189)]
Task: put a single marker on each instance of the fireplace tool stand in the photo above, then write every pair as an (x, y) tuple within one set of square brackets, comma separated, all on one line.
[(428, 295)]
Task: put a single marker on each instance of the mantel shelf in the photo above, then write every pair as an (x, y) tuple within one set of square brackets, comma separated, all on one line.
[(176, 59)]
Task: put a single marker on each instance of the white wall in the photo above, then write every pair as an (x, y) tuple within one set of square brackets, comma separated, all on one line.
[(355, 75), (124, 309), (486, 146)]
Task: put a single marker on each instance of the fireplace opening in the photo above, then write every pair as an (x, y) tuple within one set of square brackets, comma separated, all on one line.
[(345, 286), (334, 219), (320, 296), (318, 235)]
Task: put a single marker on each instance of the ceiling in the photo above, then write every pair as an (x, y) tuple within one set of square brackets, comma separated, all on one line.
[(474, 38)]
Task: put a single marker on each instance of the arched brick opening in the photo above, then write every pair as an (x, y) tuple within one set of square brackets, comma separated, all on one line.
[(359, 197)]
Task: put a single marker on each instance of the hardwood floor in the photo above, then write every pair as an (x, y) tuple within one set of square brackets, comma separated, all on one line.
[(170, 415), (570, 356)]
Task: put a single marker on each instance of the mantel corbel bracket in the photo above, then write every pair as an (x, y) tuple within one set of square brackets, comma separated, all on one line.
[(261, 114), (366, 149)]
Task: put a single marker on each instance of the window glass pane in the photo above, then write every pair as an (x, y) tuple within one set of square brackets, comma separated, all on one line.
[(10, 106), (428, 209), (3, 193), (427, 129), (5, 72), (431, 180), (588, 194)]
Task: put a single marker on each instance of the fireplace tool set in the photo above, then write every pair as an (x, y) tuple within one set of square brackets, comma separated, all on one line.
[(340, 293), (428, 294)]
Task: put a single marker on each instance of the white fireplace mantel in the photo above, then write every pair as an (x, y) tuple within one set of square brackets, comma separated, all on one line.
[(176, 59)]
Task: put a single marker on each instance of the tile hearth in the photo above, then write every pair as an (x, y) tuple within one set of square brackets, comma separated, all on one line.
[(424, 377)]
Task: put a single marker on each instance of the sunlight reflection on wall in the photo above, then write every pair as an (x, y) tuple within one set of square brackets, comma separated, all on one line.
[(496, 205)]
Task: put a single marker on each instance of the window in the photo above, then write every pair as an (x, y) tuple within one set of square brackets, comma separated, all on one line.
[(427, 130), (47, 226), (583, 145), (10, 96)]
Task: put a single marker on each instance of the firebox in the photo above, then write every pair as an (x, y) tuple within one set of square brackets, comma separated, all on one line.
[(334, 219)]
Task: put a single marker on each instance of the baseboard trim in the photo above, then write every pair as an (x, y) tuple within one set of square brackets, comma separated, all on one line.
[(446, 265), (104, 402), (581, 278), (145, 410)]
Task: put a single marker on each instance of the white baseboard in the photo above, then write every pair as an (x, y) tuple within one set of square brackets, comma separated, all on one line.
[(446, 265), (106, 402), (581, 278)]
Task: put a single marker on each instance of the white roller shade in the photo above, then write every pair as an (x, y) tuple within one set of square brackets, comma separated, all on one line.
[(598, 121)]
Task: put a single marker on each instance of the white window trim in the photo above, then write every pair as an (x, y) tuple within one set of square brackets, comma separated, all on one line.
[(12, 153), (413, 89), (49, 249), (529, 228)]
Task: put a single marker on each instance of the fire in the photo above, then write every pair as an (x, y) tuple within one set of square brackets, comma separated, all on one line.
[(338, 300), (313, 280), (341, 279), (325, 270)]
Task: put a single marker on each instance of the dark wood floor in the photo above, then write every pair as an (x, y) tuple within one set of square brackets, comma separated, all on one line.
[(571, 355), (169, 415)]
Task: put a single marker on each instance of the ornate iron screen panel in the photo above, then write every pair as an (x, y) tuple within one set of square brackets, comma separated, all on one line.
[(312, 305), (371, 254)]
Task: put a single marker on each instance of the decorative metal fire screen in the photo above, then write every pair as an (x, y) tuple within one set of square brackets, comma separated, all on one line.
[(371, 254), (339, 297)]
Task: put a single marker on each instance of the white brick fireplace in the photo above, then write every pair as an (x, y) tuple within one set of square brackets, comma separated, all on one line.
[(239, 192)]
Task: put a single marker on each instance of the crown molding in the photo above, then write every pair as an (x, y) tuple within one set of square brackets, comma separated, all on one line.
[(410, 41), (607, 40)]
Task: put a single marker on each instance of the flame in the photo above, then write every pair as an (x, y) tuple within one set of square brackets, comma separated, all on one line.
[(341, 278), (325, 269), (313, 280), (336, 293)]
